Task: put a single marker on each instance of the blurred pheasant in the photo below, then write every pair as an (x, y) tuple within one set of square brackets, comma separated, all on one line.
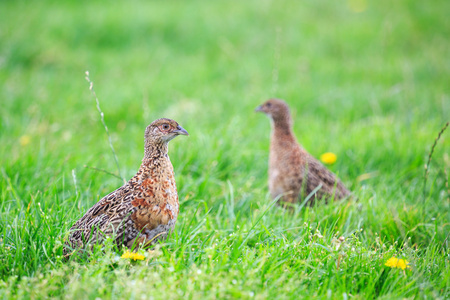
[(293, 172), (145, 208)]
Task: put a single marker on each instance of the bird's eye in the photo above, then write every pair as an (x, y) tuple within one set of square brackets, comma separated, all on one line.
[(165, 126), (268, 104)]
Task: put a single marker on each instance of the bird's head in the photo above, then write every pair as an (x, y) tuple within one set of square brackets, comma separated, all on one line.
[(162, 131), (276, 109)]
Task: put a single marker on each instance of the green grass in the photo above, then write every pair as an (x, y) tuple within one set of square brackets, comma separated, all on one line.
[(372, 87)]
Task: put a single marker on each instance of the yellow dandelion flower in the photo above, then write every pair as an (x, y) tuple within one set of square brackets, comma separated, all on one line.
[(133, 256), (394, 262), (24, 140), (328, 158)]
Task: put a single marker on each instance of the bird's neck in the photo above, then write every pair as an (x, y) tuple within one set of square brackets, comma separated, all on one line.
[(282, 132), (155, 151), (282, 135), (155, 158)]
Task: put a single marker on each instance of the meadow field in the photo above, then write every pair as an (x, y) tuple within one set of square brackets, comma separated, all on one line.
[(366, 80)]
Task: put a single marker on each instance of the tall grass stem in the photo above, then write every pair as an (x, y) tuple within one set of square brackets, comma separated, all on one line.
[(102, 117), (430, 156)]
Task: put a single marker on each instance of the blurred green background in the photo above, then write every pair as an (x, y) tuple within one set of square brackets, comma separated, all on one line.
[(367, 80), (373, 71)]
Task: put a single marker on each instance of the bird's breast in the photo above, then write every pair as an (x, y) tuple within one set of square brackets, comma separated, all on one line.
[(156, 199), (151, 216)]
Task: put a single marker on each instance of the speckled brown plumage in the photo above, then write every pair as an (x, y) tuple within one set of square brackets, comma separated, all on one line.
[(145, 208), (293, 172)]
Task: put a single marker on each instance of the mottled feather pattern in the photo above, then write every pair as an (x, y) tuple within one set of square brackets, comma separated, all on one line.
[(293, 172), (143, 210)]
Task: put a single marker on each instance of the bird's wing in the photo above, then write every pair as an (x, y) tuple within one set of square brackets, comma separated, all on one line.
[(108, 216), (319, 174)]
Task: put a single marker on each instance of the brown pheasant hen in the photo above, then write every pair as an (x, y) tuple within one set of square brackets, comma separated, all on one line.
[(145, 208), (293, 172)]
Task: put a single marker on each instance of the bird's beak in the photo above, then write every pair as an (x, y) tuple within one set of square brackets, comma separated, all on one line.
[(259, 109), (180, 131)]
